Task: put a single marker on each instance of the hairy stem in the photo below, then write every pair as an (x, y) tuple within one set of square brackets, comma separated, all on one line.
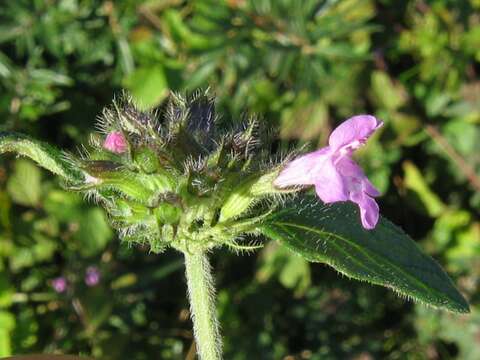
[(201, 294)]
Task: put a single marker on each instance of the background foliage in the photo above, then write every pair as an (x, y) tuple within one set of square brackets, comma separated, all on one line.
[(304, 66)]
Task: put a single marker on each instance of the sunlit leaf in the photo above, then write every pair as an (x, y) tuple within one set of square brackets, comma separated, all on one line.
[(383, 256), (148, 85), (415, 182), (42, 153)]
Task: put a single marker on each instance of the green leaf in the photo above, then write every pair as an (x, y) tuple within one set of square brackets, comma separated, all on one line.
[(7, 324), (305, 119), (24, 185), (6, 290), (42, 153), (97, 305), (94, 233), (415, 182), (292, 271), (386, 93), (383, 256), (41, 249), (63, 206), (148, 85)]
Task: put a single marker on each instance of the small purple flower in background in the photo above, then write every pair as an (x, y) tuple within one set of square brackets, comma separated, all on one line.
[(59, 284), (115, 142), (92, 276), (332, 171)]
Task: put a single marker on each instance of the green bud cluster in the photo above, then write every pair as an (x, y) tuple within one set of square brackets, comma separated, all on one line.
[(181, 181)]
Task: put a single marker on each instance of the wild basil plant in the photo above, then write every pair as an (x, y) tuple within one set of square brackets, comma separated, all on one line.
[(182, 182)]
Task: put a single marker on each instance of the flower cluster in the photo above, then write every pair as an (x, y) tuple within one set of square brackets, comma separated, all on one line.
[(176, 179)]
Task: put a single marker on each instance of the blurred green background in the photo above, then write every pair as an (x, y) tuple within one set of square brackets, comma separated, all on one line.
[(304, 66)]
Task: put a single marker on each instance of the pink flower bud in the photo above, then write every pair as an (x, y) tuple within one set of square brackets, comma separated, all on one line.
[(116, 142)]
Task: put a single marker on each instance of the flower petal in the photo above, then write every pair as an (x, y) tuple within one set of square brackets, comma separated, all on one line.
[(329, 183), (369, 188), (353, 133), (300, 170), (350, 169), (368, 212), (360, 191)]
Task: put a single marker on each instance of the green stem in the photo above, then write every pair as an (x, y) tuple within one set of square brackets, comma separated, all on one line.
[(201, 294)]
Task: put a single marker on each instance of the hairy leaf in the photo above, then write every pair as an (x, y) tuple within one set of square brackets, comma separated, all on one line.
[(42, 153), (386, 256)]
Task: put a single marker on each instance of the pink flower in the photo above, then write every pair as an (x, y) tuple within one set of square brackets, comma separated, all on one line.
[(92, 276), (116, 142), (59, 284), (332, 171)]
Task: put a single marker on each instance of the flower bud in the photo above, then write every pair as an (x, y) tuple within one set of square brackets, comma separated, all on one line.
[(167, 213), (246, 194), (115, 142)]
